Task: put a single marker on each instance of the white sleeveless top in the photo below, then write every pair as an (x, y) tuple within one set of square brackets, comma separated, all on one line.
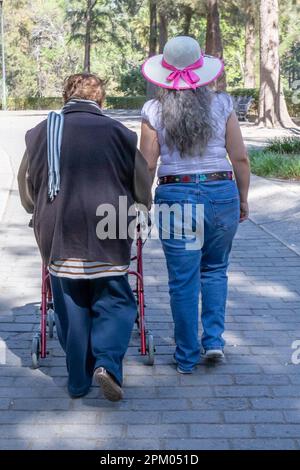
[(214, 157)]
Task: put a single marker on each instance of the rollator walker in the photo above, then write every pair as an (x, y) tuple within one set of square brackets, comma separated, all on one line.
[(47, 317)]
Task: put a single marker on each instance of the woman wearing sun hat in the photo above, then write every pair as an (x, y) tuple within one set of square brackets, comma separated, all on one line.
[(193, 129)]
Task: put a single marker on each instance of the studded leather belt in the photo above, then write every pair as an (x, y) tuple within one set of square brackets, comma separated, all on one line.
[(196, 178)]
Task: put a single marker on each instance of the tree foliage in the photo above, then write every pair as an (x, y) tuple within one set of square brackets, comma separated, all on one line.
[(45, 40)]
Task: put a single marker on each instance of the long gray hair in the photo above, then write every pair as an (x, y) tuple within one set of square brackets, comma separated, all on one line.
[(187, 119)]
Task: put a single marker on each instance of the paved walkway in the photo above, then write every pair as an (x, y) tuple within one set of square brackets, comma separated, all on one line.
[(252, 400)]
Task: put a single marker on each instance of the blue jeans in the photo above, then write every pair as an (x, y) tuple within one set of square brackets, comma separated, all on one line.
[(94, 320), (201, 270)]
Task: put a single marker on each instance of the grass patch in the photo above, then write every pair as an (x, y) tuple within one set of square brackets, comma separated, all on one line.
[(275, 165)]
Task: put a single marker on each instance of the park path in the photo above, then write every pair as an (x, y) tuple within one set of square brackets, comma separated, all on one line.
[(250, 401)]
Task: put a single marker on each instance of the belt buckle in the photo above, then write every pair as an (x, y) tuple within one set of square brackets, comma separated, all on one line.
[(202, 178)]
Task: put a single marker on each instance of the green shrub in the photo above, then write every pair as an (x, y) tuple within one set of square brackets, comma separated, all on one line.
[(294, 109), (275, 165), (284, 145), (131, 81), (124, 102), (35, 103), (136, 102), (254, 92)]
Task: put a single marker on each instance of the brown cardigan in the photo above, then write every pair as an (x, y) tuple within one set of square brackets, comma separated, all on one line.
[(99, 163)]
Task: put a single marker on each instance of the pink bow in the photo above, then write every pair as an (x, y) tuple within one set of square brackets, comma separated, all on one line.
[(186, 74)]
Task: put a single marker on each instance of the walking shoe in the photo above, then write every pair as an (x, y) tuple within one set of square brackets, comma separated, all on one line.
[(180, 370), (213, 354), (184, 371), (111, 389)]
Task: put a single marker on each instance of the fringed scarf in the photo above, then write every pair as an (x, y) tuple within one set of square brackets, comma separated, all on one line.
[(55, 128)]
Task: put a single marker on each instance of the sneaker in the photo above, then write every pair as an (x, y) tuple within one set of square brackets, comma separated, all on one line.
[(184, 371), (213, 354), (111, 389), (179, 369)]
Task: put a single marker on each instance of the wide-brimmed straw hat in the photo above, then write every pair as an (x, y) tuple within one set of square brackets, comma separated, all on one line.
[(182, 65)]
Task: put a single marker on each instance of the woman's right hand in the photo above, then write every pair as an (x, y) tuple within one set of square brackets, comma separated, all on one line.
[(244, 211)]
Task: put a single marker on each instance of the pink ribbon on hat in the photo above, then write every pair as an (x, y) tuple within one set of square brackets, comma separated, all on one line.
[(186, 74)]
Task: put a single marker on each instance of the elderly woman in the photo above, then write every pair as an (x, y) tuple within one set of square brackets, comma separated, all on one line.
[(191, 129), (76, 166)]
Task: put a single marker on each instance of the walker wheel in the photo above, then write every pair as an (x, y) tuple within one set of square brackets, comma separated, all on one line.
[(150, 350), (35, 350), (50, 322)]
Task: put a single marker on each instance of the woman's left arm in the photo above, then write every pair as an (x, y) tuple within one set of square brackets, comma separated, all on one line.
[(25, 185), (149, 146)]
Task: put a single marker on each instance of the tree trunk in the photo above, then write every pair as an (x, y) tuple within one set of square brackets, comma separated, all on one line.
[(163, 31), (152, 42), (153, 27), (250, 30), (272, 106), (87, 46), (214, 44), (188, 14)]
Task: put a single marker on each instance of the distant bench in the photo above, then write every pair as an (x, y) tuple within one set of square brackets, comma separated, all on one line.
[(241, 105)]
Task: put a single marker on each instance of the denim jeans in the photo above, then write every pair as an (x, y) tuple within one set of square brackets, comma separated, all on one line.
[(200, 270), (94, 320)]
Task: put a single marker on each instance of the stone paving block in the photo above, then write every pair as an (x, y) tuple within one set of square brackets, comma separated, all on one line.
[(4, 403), (65, 444), (195, 444), (251, 359), (234, 368), (263, 444), (282, 368), (128, 417), (292, 416), (15, 327), (6, 382), (242, 391), (40, 404), (161, 381), (192, 417), (49, 417), (91, 431), (206, 377), (15, 444), (277, 430), (185, 392), (136, 393), (244, 379), (276, 403), (221, 430), (220, 404), (295, 379), (130, 444), (254, 416), (157, 431), (32, 392), (286, 391)]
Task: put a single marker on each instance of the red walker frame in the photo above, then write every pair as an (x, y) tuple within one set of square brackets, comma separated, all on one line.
[(39, 340)]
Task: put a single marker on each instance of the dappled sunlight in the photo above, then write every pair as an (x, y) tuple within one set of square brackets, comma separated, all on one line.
[(256, 377), (280, 202), (266, 289)]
